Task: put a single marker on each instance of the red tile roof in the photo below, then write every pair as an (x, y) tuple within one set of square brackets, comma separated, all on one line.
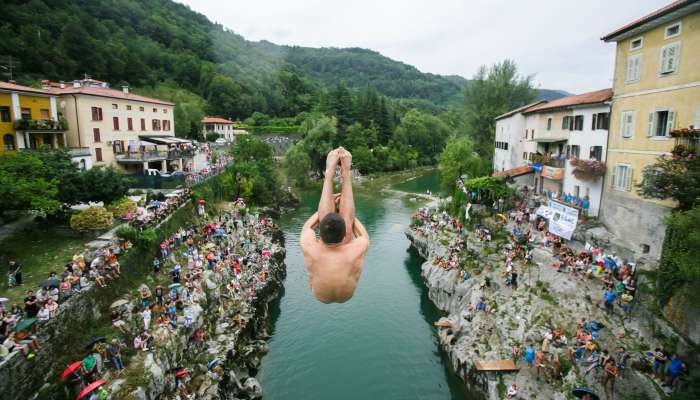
[(647, 18), (106, 92), (20, 88), (598, 96), (517, 171), (519, 109), (215, 120)]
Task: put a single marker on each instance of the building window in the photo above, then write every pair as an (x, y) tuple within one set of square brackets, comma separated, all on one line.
[(524, 155), (566, 123), (670, 57), (596, 153), (549, 123), (627, 120), (636, 44), (634, 65), (115, 106), (130, 124), (143, 124), (155, 124), (577, 190), (96, 114), (115, 122), (44, 113), (622, 177), (661, 123), (5, 114), (96, 135), (140, 108), (502, 145), (578, 123), (672, 30), (601, 121), (165, 111), (98, 154), (8, 142), (26, 113), (166, 125), (155, 110), (128, 107), (573, 151)]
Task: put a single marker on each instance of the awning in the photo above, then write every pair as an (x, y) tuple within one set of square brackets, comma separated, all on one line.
[(163, 139), (549, 140)]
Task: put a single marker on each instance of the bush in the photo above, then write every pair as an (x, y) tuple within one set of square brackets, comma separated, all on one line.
[(146, 240), (93, 218), (211, 137), (122, 207), (128, 233)]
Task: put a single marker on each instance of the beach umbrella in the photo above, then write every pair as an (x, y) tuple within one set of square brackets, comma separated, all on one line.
[(89, 388), (3, 299), (181, 373), (174, 286), (582, 391), (24, 324), (94, 340), (70, 369), (213, 362), (119, 303), (50, 283)]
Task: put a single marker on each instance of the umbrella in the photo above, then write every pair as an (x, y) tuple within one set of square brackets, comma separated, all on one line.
[(3, 299), (213, 362), (24, 324), (70, 369), (181, 373), (50, 283), (119, 303), (174, 286), (89, 388), (94, 340), (582, 391)]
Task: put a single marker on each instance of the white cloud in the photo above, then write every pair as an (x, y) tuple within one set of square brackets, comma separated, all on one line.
[(557, 40)]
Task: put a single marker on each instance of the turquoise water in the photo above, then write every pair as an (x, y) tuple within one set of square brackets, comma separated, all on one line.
[(379, 345)]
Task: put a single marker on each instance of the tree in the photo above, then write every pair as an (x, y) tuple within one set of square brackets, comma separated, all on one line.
[(25, 185), (103, 184), (341, 105), (297, 164), (359, 136), (673, 177), (459, 158), (424, 133), (254, 170), (492, 92), (318, 138), (90, 219)]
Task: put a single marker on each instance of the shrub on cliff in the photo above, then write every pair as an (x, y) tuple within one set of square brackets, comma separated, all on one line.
[(122, 207), (91, 219)]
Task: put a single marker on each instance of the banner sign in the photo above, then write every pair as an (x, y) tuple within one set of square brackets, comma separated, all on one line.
[(563, 219), (553, 173)]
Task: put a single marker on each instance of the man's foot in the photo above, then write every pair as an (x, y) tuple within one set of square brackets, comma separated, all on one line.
[(332, 160), (345, 160)]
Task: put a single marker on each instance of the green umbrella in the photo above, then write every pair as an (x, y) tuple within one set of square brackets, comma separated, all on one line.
[(24, 324)]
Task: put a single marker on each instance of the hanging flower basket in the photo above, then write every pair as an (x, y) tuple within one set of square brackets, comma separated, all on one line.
[(587, 170), (686, 133)]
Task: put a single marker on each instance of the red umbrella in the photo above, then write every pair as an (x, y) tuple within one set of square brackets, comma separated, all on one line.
[(89, 388), (181, 373), (70, 369)]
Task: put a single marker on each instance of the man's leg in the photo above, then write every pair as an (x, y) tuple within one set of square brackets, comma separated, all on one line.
[(326, 204), (346, 206)]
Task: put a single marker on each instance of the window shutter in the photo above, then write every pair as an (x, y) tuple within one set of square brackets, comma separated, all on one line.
[(628, 180), (595, 117), (615, 174), (650, 125), (671, 122)]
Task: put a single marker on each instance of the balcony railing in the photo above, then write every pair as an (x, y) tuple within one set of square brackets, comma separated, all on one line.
[(176, 154), (138, 156), (79, 151), (40, 125)]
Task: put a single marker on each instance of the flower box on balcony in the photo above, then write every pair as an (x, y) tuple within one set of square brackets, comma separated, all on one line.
[(587, 170)]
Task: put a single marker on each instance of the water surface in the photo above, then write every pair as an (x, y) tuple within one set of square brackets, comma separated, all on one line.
[(379, 345)]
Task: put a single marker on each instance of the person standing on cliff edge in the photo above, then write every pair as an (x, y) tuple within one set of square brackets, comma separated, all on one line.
[(335, 261)]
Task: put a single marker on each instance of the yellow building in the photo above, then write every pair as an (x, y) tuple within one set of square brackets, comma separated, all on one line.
[(656, 89), (29, 118)]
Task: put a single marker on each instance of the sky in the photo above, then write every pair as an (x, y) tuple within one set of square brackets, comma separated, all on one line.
[(557, 41)]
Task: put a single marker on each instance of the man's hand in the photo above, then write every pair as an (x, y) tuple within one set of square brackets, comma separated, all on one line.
[(345, 160), (332, 161)]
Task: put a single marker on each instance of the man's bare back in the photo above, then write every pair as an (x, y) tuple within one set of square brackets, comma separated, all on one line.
[(335, 260)]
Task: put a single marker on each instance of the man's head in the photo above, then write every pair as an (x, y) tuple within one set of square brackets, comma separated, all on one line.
[(332, 229)]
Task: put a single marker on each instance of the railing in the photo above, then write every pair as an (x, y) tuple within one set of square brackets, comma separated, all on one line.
[(556, 162), (142, 156), (176, 154), (40, 125), (79, 151)]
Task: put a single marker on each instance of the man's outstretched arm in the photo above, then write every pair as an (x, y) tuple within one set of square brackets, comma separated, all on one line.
[(308, 235), (361, 234)]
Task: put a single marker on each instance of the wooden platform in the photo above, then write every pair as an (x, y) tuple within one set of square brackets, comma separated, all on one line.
[(496, 365)]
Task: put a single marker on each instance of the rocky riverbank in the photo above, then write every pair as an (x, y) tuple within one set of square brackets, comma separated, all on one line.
[(546, 299)]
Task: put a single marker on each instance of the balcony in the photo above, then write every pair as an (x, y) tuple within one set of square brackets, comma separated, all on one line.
[(133, 157), (176, 154), (79, 152), (40, 125)]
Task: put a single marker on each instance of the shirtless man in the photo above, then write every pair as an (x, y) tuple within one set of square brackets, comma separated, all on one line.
[(334, 261)]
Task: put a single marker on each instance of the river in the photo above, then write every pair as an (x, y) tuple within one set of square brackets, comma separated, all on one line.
[(379, 345)]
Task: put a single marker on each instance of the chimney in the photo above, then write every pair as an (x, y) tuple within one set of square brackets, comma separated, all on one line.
[(61, 84), (12, 81), (45, 84), (125, 89), (76, 84)]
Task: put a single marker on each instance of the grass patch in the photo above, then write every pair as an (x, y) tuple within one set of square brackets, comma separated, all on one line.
[(40, 250)]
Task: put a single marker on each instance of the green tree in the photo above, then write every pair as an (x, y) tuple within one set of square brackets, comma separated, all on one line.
[(424, 133), (24, 184), (492, 92), (359, 136), (319, 135), (297, 164), (341, 105), (363, 159), (459, 158), (103, 184), (254, 170)]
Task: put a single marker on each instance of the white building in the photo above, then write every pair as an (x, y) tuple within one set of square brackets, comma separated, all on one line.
[(571, 128), (512, 146), (220, 126)]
